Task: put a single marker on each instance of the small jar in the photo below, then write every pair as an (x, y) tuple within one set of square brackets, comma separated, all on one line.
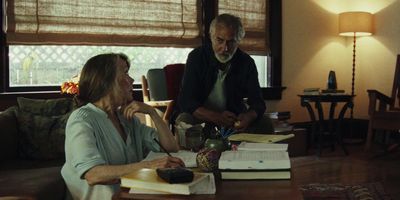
[(194, 138)]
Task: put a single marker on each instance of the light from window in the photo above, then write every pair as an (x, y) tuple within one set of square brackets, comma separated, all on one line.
[(51, 65)]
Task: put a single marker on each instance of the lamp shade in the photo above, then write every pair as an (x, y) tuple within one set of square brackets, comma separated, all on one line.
[(358, 23)]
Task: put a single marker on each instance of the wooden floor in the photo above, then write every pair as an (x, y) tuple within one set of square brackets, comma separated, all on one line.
[(356, 168)]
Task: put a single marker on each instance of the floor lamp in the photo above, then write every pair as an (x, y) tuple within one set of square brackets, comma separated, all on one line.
[(355, 24)]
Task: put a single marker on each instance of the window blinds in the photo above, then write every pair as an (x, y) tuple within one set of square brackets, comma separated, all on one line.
[(129, 22), (99, 22), (255, 20)]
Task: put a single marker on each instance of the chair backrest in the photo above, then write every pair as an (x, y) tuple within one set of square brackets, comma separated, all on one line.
[(396, 86), (157, 85), (173, 77)]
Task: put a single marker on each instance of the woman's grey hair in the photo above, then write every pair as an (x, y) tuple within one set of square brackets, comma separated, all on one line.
[(98, 77), (229, 21)]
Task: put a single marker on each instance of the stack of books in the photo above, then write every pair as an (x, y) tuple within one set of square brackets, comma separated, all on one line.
[(281, 116), (146, 181), (332, 91), (251, 162), (311, 91), (279, 120)]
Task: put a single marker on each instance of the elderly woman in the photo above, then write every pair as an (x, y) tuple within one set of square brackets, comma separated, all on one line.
[(104, 139)]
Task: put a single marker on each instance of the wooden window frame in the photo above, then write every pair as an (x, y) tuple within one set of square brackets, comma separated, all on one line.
[(272, 92)]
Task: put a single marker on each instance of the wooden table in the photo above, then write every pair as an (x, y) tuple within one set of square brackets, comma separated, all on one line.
[(305, 170), (230, 190), (331, 130)]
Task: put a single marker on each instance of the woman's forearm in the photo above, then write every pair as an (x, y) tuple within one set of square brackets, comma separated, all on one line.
[(110, 174), (165, 135)]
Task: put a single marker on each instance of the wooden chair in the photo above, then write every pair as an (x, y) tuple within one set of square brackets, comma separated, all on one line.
[(384, 111), (161, 88)]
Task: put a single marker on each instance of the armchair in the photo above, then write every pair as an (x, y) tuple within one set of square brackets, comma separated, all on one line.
[(384, 111), (160, 89)]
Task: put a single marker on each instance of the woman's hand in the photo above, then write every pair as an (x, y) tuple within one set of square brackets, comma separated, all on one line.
[(167, 161), (164, 133), (133, 107)]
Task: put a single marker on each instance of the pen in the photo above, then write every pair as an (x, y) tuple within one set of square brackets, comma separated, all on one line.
[(162, 147)]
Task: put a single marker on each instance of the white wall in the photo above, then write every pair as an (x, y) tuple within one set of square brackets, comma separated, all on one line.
[(312, 47)]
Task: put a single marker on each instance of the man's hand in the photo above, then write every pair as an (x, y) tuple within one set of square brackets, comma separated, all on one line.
[(226, 119), (244, 120)]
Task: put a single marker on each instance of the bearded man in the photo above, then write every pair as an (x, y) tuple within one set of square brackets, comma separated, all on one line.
[(220, 84)]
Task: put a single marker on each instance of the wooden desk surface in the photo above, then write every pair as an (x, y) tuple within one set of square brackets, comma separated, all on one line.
[(305, 170), (232, 190)]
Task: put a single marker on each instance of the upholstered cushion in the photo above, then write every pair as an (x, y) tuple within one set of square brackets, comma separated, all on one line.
[(173, 77), (42, 137), (41, 125), (46, 107), (157, 84), (8, 135)]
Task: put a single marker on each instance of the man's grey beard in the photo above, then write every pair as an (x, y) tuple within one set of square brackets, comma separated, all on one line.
[(224, 59)]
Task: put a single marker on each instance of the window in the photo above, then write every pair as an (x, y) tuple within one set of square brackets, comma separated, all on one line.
[(45, 65), (36, 54)]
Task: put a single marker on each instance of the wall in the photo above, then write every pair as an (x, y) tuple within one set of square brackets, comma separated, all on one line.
[(312, 47)]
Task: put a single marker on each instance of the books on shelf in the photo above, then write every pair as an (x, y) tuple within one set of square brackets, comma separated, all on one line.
[(279, 115), (259, 138), (255, 165), (255, 174), (188, 157), (250, 146), (334, 91), (147, 181), (311, 91)]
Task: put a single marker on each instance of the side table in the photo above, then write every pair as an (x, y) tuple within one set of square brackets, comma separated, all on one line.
[(318, 125)]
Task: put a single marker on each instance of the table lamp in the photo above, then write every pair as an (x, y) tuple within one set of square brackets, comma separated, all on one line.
[(355, 24)]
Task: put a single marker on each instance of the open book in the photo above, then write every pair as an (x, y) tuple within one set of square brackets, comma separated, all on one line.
[(254, 160), (147, 181), (247, 165)]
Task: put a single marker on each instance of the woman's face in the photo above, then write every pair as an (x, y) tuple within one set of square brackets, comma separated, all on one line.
[(124, 89)]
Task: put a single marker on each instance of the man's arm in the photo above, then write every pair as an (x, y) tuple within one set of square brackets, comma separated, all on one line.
[(245, 119), (189, 97), (225, 119)]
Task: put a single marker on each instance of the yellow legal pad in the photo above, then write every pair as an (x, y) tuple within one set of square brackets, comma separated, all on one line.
[(259, 138)]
